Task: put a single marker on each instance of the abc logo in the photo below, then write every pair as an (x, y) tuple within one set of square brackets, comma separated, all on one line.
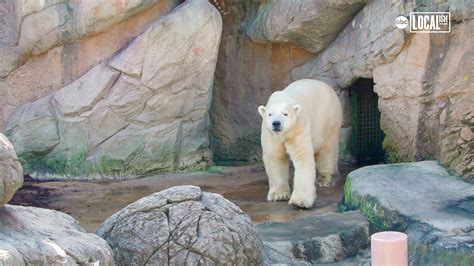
[(401, 22)]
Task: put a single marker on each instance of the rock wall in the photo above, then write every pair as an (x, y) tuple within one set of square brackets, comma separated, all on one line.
[(427, 100), (409, 71), (143, 111), (256, 57), (145, 108), (423, 80), (246, 75), (45, 45), (312, 25)]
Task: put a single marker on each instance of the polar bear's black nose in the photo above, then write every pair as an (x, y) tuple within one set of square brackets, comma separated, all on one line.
[(276, 125)]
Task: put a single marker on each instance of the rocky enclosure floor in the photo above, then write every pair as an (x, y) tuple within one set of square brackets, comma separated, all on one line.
[(91, 203)]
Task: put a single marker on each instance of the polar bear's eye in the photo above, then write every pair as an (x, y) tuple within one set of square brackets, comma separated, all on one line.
[(269, 114), (285, 114)]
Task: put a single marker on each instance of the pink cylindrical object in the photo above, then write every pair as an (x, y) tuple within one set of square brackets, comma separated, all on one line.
[(389, 248)]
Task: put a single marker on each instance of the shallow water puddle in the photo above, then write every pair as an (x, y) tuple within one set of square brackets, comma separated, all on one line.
[(91, 203)]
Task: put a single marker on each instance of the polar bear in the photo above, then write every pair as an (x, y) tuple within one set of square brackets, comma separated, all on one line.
[(304, 121)]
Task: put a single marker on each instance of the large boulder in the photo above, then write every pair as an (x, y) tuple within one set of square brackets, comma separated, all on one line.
[(11, 173), (322, 238), (36, 236), (309, 24), (182, 225), (144, 112), (66, 38), (434, 208)]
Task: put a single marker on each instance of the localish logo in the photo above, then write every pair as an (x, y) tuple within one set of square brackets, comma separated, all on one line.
[(401, 22), (430, 22)]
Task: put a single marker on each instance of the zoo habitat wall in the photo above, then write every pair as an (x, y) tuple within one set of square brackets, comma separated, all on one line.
[(94, 89)]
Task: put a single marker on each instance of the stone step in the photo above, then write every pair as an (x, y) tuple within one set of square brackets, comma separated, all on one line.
[(322, 238), (434, 208)]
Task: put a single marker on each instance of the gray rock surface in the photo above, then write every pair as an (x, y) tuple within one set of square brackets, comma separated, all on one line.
[(46, 45), (309, 24), (84, 93), (322, 238), (182, 225), (37, 26), (427, 102), (95, 15), (11, 173), (36, 236), (434, 208), (146, 112), (359, 47), (425, 92)]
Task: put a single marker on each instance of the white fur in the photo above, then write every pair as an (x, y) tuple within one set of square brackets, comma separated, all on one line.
[(310, 115)]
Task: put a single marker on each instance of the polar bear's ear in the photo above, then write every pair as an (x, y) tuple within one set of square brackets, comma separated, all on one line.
[(297, 108), (261, 110)]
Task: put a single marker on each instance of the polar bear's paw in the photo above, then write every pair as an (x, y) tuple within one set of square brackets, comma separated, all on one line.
[(328, 180), (278, 194), (302, 199)]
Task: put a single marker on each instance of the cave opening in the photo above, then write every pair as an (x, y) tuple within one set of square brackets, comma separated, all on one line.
[(367, 136)]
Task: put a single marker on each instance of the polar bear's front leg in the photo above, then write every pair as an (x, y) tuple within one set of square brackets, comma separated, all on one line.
[(304, 190), (277, 169)]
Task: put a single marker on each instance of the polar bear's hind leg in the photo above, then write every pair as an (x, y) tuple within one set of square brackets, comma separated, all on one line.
[(326, 162)]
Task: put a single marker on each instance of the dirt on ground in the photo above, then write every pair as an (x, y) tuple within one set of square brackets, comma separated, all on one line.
[(91, 203)]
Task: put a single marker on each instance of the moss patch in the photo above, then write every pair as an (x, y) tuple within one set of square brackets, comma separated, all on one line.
[(380, 218), (392, 152), (72, 164), (425, 254)]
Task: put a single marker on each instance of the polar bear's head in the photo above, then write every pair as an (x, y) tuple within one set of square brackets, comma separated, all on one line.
[(281, 117)]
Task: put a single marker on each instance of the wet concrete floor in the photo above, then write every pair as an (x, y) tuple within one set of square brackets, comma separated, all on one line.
[(91, 203)]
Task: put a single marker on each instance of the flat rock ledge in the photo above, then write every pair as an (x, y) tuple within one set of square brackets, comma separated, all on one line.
[(434, 208), (36, 236), (322, 238), (182, 226)]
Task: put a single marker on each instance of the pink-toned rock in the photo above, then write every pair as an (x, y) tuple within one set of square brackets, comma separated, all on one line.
[(453, 83), (94, 16), (66, 63), (400, 86), (109, 124), (466, 134)]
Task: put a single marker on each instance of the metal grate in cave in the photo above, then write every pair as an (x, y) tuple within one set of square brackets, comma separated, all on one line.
[(367, 137)]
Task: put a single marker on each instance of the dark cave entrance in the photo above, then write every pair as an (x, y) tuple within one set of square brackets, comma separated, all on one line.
[(366, 138)]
